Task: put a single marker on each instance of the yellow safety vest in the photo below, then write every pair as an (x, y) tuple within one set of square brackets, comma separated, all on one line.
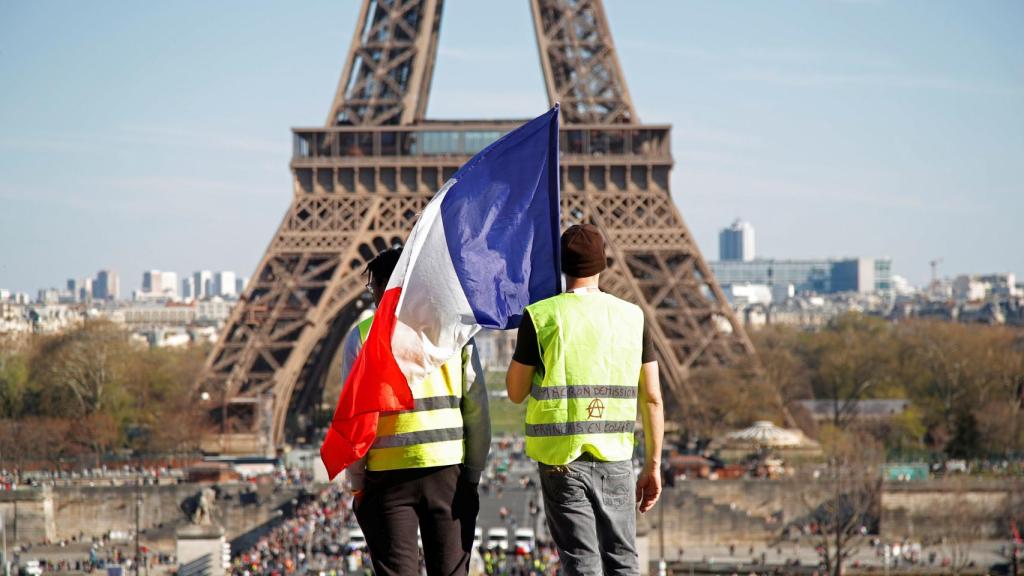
[(431, 433), (584, 394)]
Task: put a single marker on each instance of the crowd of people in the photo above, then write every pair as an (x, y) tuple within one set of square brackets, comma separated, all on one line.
[(314, 539), (322, 537), (543, 561), (12, 479), (134, 474), (108, 549)]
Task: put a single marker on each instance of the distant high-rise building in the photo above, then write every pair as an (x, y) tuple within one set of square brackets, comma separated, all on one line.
[(188, 290), (864, 275), (106, 286), (822, 276), (240, 284), (1002, 284), (151, 282), (48, 296), (973, 288), (73, 292), (224, 283), (736, 243), (202, 282), (169, 284), (5, 294), (85, 290)]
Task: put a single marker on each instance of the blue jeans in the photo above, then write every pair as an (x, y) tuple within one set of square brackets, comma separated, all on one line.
[(591, 513)]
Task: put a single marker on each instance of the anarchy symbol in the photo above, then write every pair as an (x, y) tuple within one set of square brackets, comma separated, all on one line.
[(595, 409)]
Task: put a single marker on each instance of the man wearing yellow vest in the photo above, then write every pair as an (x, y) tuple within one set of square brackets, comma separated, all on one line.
[(584, 360), (422, 471)]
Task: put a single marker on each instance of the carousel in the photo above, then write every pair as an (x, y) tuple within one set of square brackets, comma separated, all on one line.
[(766, 447)]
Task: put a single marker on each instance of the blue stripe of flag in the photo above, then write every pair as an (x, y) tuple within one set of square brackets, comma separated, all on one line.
[(501, 221)]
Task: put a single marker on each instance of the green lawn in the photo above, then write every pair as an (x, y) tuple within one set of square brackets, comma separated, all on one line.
[(506, 418)]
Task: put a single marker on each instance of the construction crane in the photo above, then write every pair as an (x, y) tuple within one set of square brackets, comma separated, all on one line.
[(935, 273), (935, 269)]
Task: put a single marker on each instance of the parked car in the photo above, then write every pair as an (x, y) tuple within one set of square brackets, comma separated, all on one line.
[(497, 539), (526, 541), (356, 539)]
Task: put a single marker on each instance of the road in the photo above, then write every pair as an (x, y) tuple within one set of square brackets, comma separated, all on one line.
[(508, 460)]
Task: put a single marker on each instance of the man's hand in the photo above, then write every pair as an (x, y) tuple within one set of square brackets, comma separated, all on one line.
[(648, 488)]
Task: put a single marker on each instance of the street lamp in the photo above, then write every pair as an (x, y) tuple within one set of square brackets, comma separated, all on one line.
[(3, 537), (138, 506)]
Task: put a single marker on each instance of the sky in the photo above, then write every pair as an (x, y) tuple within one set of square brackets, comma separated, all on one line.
[(157, 135)]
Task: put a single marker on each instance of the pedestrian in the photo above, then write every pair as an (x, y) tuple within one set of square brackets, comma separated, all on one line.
[(585, 362), (423, 469)]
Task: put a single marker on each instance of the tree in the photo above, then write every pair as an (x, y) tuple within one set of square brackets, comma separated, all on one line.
[(966, 441), (952, 369), (903, 433), (33, 439), (13, 383), (162, 413), (853, 358), (852, 482), (86, 364), (731, 397), (99, 434), (945, 355), (958, 532), (115, 395), (785, 370)]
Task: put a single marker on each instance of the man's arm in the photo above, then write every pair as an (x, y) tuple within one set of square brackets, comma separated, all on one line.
[(356, 471), (476, 419), (518, 381), (519, 377), (648, 485)]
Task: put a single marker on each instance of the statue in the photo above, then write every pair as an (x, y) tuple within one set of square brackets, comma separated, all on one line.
[(199, 508)]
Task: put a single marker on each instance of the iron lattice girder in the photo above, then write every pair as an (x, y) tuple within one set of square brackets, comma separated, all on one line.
[(386, 79), (581, 68), (360, 183)]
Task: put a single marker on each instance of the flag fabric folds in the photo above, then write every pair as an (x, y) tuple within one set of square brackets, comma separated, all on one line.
[(484, 247)]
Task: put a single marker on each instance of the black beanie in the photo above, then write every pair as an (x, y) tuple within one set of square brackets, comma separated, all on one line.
[(583, 251)]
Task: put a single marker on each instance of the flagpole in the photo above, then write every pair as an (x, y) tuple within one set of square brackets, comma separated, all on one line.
[(555, 181)]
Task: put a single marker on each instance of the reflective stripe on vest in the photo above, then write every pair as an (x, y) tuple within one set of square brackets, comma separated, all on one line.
[(430, 434), (584, 393)]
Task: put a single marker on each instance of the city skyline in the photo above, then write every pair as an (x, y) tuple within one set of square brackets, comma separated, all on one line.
[(886, 129), (155, 284)]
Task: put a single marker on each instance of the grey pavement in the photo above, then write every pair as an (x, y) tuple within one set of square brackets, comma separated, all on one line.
[(983, 553)]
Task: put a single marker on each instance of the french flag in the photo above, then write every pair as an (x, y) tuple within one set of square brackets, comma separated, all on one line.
[(484, 247)]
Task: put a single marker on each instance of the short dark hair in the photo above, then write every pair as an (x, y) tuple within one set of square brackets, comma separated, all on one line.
[(382, 265)]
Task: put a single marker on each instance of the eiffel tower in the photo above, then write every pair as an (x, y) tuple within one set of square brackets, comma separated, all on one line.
[(360, 181)]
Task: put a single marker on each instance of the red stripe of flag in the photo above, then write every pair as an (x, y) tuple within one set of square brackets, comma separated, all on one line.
[(375, 384)]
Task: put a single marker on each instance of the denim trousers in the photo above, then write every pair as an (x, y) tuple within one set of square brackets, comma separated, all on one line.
[(591, 513)]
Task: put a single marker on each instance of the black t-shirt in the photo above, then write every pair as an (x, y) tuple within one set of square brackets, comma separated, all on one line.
[(528, 352)]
